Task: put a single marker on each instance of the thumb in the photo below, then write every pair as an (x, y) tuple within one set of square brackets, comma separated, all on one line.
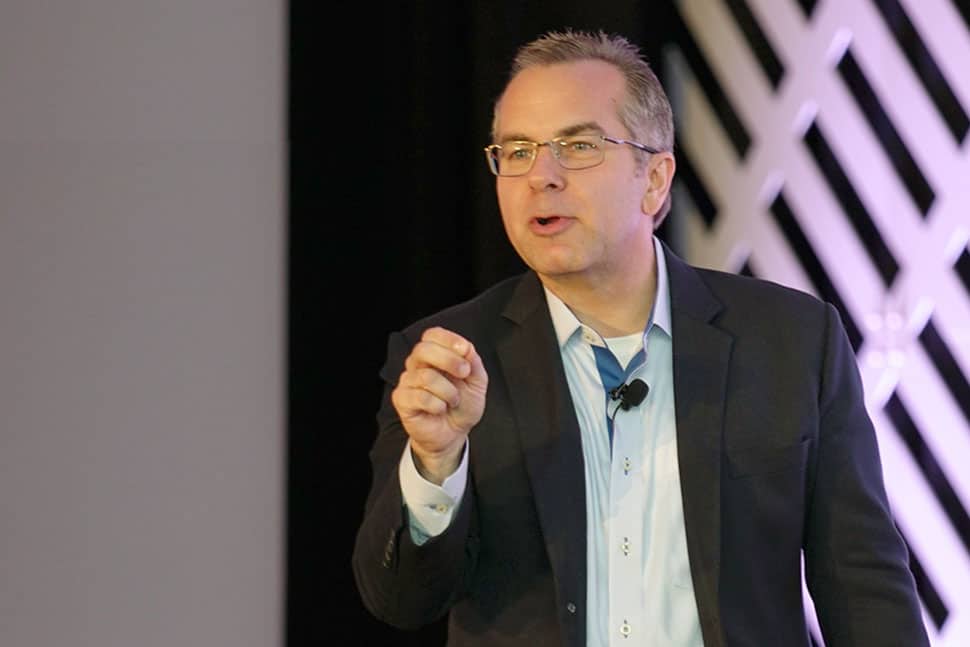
[(477, 377)]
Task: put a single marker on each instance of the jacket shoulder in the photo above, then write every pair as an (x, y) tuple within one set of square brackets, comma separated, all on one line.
[(759, 295), (468, 317)]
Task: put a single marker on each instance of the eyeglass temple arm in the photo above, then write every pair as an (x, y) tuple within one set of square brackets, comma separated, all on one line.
[(643, 147)]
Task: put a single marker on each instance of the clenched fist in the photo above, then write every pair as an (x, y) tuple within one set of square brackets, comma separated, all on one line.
[(439, 397)]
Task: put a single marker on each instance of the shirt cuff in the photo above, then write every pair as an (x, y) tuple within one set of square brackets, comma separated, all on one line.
[(430, 507)]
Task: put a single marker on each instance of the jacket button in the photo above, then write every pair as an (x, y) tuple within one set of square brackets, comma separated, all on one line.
[(570, 607)]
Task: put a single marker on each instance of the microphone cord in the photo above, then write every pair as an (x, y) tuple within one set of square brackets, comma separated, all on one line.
[(619, 405)]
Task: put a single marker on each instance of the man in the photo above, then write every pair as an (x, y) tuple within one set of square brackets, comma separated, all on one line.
[(616, 448)]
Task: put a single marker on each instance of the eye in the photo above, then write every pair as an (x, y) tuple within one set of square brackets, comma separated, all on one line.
[(580, 145), (513, 151)]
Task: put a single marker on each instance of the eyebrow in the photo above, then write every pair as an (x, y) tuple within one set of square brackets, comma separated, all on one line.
[(568, 131)]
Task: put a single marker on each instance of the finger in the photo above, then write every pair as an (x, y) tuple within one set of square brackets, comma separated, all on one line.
[(446, 338), (429, 353), (434, 382), (411, 401), (476, 367), (454, 341), (451, 340)]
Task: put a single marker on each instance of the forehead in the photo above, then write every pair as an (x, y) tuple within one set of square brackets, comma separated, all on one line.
[(544, 102)]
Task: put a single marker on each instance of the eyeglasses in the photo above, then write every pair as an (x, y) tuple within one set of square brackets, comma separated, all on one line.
[(513, 158)]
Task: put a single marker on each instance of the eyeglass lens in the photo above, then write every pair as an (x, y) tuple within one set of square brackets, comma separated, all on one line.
[(517, 157)]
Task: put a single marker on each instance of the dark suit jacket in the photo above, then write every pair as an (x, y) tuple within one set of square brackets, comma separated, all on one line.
[(776, 453)]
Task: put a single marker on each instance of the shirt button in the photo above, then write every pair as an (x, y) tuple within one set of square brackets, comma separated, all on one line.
[(570, 607), (441, 507), (625, 546), (626, 629)]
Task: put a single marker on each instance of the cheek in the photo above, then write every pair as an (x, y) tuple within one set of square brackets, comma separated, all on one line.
[(612, 202), (503, 197), (621, 215), (506, 212), (509, 203), (628, 197)]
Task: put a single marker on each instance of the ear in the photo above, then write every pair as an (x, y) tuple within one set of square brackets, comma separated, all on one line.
[(660, 175)]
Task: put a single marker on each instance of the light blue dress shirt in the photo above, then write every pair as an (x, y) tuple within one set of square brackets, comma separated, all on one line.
[(639, 589)]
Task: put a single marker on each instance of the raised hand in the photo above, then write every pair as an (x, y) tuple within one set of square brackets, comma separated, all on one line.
[(439, 397)]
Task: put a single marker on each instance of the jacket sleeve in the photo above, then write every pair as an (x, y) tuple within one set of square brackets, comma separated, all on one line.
[(401, 583), (856, 563)]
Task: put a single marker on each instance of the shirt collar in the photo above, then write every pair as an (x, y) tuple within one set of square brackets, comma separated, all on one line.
[(566, 324)]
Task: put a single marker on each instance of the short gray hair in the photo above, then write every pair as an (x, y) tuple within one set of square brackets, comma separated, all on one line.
[(646, 112)]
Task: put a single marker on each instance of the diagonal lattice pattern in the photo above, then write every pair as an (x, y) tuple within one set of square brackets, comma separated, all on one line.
[(825, 146)]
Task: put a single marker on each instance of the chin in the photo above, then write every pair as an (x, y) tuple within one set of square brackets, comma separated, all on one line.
[(556, 269)]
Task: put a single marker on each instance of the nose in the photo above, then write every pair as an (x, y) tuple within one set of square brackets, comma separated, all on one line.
[(546, 173)]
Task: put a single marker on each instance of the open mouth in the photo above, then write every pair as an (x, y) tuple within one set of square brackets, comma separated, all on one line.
[(551, 225)]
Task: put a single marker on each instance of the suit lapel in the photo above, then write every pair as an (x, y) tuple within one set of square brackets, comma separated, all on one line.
[(552, 443), (701, 353), (550, 438)]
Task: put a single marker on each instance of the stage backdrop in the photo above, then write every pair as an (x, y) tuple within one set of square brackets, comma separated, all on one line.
[(824, 145)]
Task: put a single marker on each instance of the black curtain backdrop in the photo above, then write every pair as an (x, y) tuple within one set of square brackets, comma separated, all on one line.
[(392, 215)]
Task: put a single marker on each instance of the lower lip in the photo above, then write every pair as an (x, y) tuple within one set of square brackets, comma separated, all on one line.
[(551, 227)]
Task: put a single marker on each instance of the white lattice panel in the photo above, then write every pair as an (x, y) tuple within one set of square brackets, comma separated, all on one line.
[(849, 178)]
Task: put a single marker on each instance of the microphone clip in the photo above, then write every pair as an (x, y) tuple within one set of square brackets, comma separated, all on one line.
[(630, 395)]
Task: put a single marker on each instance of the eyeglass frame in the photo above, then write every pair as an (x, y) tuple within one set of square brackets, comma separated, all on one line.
[(493, 165)]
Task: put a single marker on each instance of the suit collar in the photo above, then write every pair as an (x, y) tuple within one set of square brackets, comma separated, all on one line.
[(688, 293)]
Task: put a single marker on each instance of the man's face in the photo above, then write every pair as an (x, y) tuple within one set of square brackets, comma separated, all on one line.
[(566, 222)]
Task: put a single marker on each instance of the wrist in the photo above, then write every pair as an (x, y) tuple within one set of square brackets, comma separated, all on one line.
[(435, 467)]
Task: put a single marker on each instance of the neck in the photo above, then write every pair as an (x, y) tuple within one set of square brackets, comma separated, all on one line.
[(615, 304)]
